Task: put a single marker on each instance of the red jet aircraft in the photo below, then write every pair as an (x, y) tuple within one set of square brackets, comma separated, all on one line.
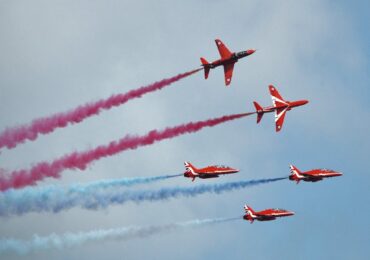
[(228, 59), (312, 175), (265, 215), (207, 172), (280, 106)]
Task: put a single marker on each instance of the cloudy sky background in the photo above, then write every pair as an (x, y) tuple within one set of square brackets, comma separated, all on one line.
[(56, 55)]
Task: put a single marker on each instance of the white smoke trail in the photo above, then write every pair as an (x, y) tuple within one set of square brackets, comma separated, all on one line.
[(68, 240)]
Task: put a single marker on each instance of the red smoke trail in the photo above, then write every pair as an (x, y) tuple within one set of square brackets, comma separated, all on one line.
[(79, 160), (10, 137)]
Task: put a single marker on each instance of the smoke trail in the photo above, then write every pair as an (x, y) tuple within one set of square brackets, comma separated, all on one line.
[(79, 160), (68, 240), (100, 195), (124, 182), (11, 137)]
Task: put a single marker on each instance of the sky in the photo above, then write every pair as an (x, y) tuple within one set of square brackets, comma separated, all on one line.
[(56, 55)]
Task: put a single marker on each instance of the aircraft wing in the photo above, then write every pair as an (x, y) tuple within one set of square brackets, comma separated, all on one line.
[(222, 49), (311, 176), (265, 217), (279, 118), (228, 70), (208, 176), (277, 99)]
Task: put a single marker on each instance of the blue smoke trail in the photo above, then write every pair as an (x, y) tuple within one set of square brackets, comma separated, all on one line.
[(55, 199), (68, 240), (15, 201), (106, 184)]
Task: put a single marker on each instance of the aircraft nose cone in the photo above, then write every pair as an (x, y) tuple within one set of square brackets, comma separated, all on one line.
[(304, 102), (251, 51)]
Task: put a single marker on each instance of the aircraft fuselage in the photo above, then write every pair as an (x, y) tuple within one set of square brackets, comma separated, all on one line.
[(233, 59), (312, 175), (290, 105), (266, 215)]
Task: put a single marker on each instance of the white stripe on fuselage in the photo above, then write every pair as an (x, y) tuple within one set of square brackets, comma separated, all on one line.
[(278, 214), (221, 171)]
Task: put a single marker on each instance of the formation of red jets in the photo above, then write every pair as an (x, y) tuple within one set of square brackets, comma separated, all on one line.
[(279, 106), (214, 171)]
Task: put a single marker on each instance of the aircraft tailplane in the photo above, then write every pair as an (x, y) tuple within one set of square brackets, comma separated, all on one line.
[(259, 111), (205, 64)]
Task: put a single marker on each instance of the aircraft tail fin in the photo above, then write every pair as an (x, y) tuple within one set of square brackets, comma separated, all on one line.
[(205, 64), (250, 213), (189, 167), (259, 111), (294, 170), (248, 210)]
